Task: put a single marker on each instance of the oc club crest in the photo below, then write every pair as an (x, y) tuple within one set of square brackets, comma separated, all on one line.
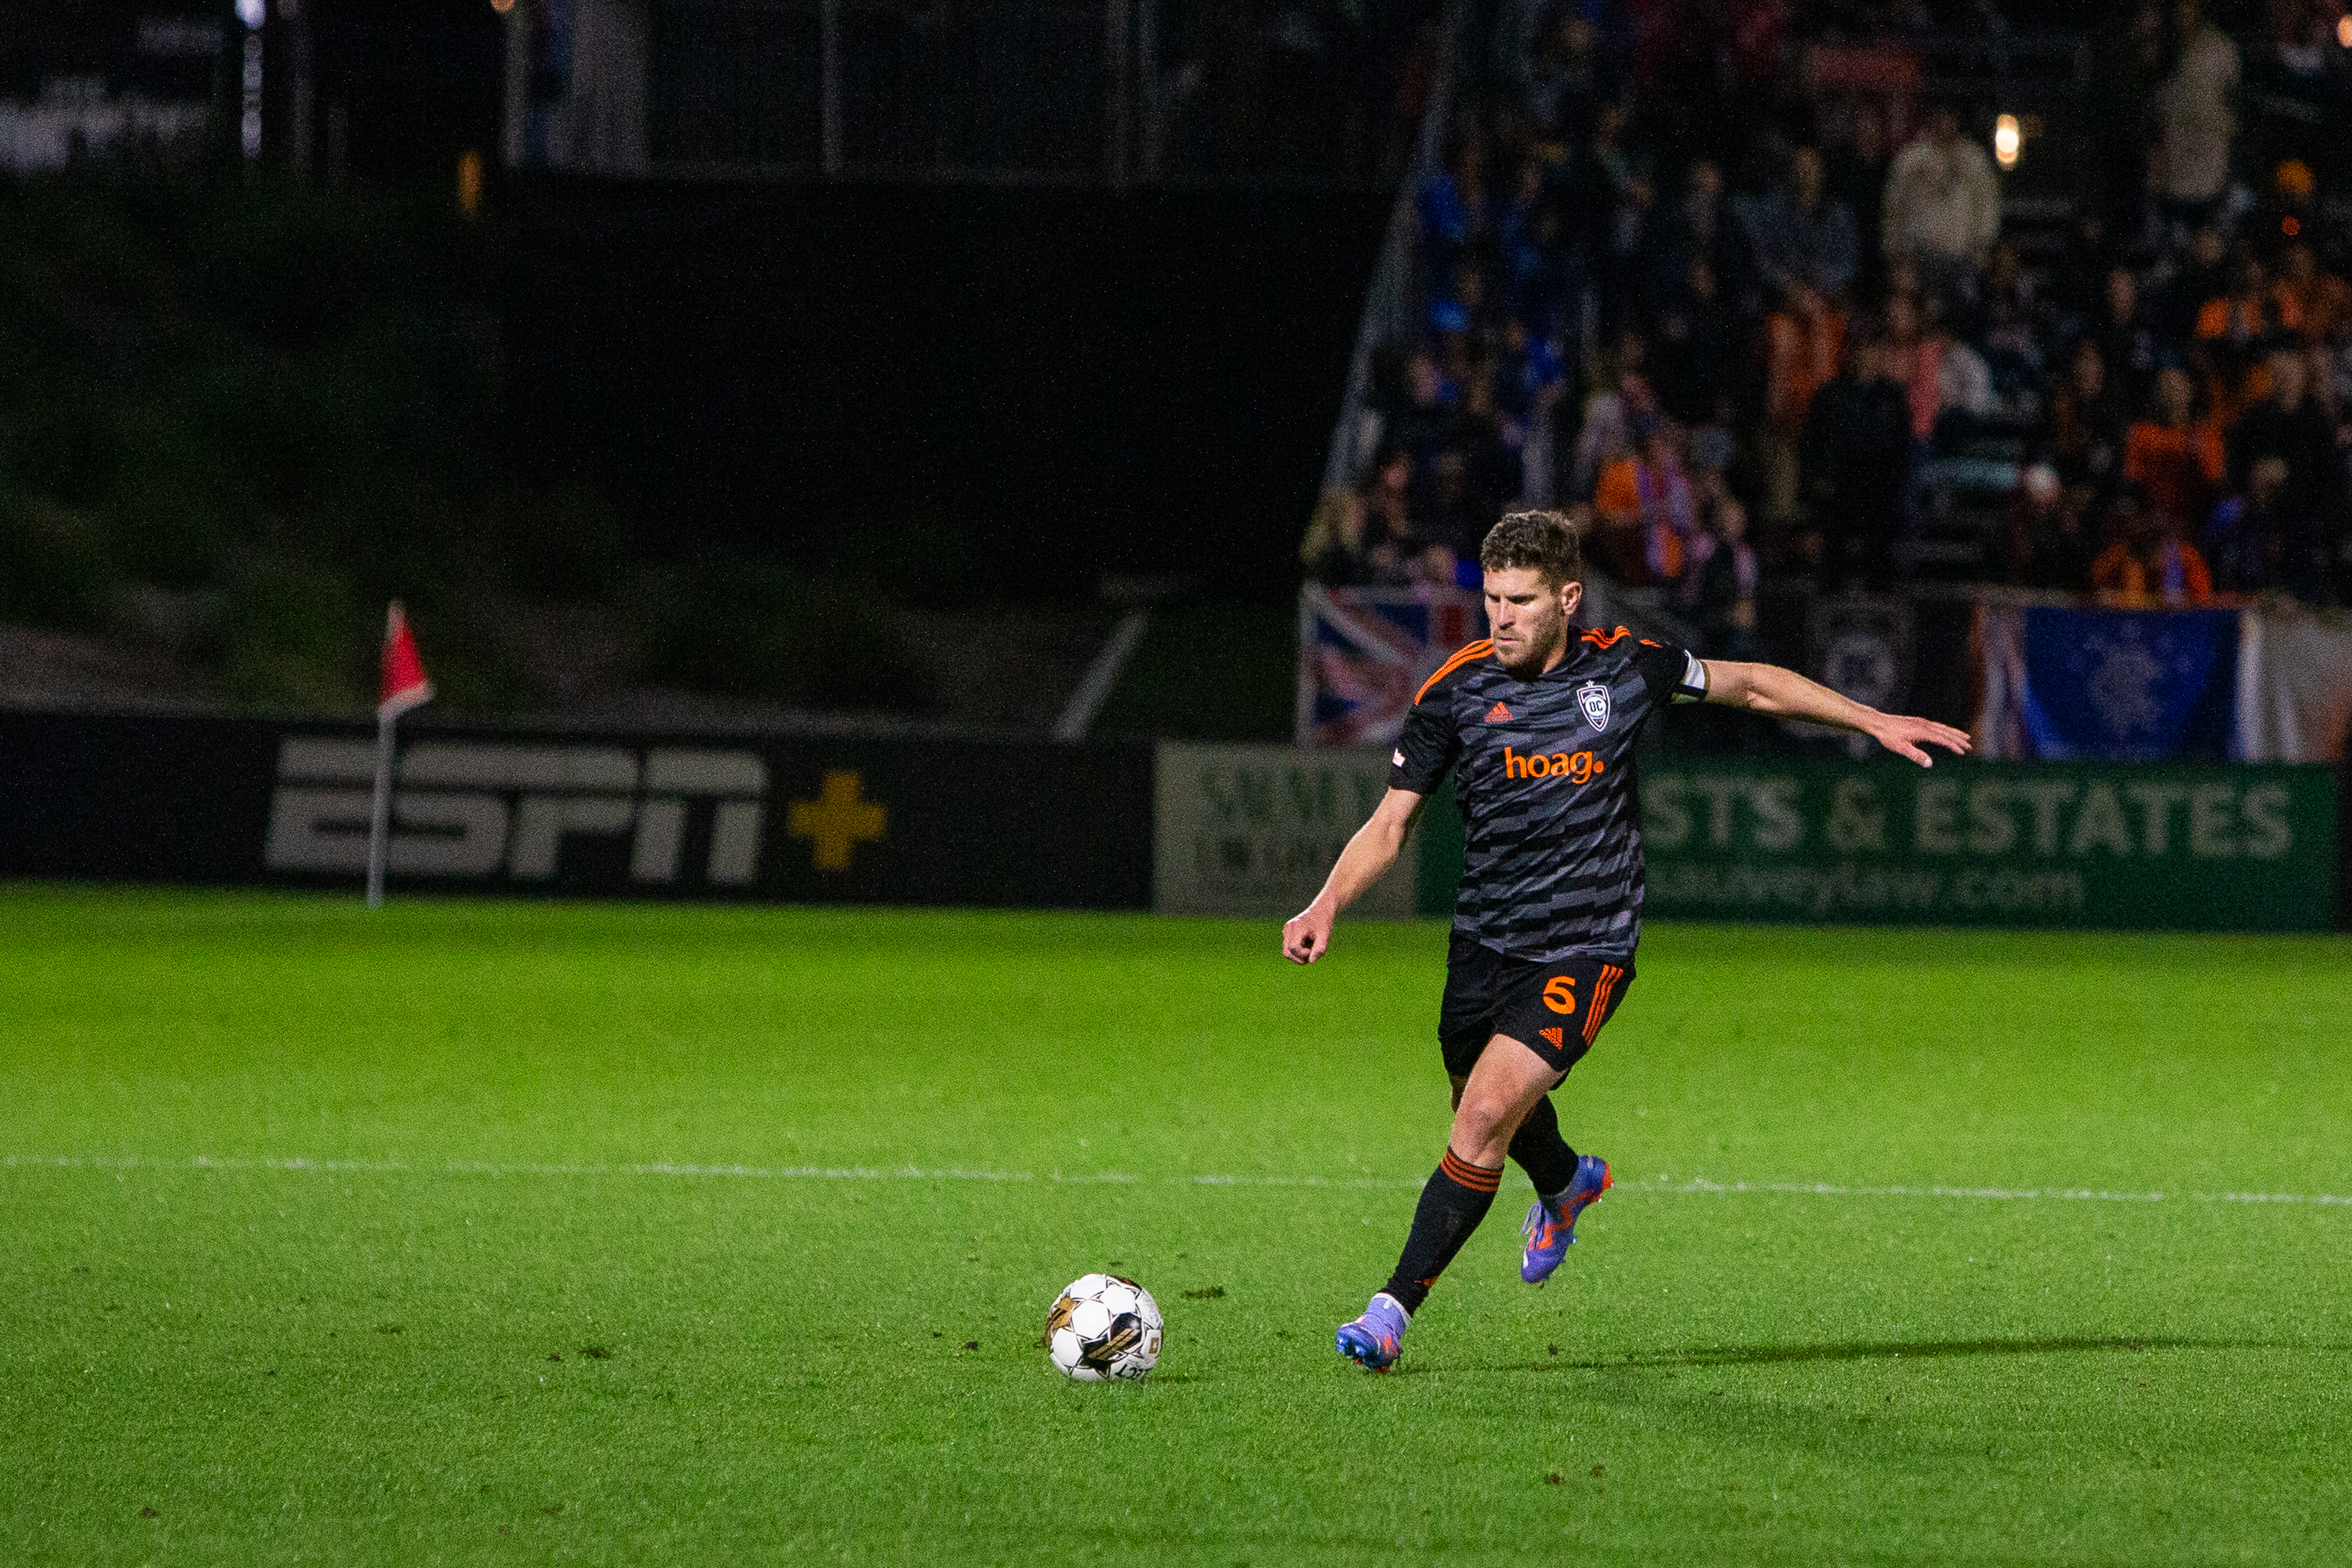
[(1593, 698)]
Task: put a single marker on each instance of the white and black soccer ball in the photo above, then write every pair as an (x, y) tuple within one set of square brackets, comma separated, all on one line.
[(1103, 1326)]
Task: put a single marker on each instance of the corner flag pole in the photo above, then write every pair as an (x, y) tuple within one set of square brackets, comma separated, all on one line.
[(380, 824), (403, 687)]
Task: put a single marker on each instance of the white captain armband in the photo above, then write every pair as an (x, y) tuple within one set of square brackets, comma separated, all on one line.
[(1692, 687)]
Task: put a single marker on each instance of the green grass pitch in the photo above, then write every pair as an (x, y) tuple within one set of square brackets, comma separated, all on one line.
[(606, 1248)]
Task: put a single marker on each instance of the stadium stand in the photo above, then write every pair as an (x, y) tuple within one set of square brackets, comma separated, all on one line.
[(1831, 296)]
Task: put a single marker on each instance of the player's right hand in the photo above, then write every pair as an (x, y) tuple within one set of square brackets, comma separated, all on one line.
[(1306, 934)]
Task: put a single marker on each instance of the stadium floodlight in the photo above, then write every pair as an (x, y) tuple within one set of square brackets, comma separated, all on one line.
[(2006, 140)]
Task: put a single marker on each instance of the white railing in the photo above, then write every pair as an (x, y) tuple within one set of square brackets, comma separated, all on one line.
[(1391, 302)]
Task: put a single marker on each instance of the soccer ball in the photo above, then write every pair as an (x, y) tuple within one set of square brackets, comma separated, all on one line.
[(1103, 1326)]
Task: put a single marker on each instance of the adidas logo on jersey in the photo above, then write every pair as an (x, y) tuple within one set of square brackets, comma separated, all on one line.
[(1552, 1035), (1499, 713)]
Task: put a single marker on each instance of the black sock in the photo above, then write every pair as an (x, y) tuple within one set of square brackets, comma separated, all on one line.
[(1542, 1152), (1454, 1201)]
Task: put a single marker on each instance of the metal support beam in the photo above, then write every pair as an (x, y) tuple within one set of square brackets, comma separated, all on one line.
[(1119, 61), (1147, 71), (515, 122), (829, 85), (1101, 676)]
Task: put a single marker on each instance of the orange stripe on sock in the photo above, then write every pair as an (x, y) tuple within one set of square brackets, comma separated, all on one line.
[(1478, 1178)]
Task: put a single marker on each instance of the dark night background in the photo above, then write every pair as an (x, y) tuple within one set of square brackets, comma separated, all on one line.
[(1042, 385), (695, 432)]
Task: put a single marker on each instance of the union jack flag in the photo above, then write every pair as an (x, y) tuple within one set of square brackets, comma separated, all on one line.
[(1364, 651)]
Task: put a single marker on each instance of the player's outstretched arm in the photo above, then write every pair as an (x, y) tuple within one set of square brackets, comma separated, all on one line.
[(1784, 694), (1367, 858)]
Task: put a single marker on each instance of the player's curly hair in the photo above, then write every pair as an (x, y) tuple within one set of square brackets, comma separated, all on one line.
[(1547, 541)]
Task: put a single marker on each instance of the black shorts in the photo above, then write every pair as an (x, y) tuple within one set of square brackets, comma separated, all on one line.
[(1556, 1009)]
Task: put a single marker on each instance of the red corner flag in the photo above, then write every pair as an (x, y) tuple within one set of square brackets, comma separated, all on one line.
[(405, 685)]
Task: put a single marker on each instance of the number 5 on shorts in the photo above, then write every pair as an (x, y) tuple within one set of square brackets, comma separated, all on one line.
[(1560, 994)]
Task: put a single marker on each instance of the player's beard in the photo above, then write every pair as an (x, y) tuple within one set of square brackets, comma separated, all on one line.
[(1543, 641)]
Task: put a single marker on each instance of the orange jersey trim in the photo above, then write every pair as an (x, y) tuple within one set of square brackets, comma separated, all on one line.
[(1478, 650), (1608, 638)]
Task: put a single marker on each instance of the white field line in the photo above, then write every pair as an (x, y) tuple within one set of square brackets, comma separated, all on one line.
[(1662, 1185)]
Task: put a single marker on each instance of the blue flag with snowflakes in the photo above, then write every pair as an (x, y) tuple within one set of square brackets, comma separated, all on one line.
[(2121, 685)]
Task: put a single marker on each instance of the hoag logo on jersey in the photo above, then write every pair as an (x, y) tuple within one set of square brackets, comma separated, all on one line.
[(1582, 768), (1593, 698)]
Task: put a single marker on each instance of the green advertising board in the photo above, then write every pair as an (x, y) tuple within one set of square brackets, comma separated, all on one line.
[(2249, 848)]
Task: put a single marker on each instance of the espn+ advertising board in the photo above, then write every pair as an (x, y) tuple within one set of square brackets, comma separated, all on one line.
[(851, 821), (1223, 830)]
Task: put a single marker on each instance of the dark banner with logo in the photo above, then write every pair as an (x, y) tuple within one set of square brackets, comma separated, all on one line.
[(921, 821), (797, 819)]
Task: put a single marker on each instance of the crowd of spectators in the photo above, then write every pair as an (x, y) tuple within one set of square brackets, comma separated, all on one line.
[(1742, 329)]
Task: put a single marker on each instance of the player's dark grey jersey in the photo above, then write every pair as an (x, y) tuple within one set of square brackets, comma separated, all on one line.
[(1543, 769)]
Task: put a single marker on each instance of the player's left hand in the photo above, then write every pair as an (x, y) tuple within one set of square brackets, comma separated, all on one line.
[(1905, 736)]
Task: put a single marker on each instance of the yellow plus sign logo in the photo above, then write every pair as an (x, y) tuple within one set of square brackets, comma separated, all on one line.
[(837, 820)]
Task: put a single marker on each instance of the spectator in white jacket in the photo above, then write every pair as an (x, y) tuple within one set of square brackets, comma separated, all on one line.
[(1943, 208), (2194, 117)]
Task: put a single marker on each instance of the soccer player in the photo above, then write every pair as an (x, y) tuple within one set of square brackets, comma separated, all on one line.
[(1538, 723)]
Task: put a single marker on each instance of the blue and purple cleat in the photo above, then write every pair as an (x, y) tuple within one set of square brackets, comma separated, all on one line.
[(1374, 1341), (1551, 1231)]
